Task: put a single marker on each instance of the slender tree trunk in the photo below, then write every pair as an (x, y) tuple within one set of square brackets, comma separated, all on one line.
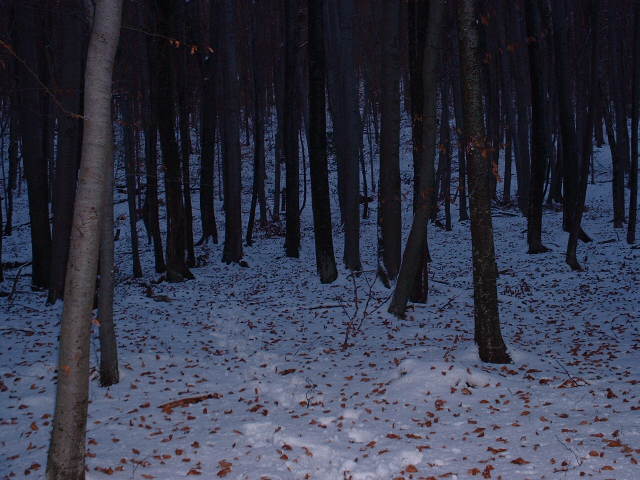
[(67, 449), (445, 156), (290, 130), (635, 107), (620, 155), (130, 173), (232, 251), (325, 258), (151, 191), (177, 270), (109, 374), (565, 112), (69, 38), (185, 154), (208, 118), (487, 324), (575, 231), (14, 142), (538, 32), (34, 154), (414, 249), (389, 198), (346, 121), (257, 194)]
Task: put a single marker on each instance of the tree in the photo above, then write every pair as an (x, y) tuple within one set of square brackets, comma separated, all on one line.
[(325, 259), (487, 324), (389, 198), (413, 257), (70, 42), (34, 153), (290, 130), (232, 251), (345, 114), (635, 108), (537, 33), (67, 449), (163, 94)]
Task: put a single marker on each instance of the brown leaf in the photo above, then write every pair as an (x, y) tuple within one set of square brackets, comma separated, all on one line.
[(519, 461)]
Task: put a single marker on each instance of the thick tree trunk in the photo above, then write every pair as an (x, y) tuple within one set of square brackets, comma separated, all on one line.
[(487, 324), (325, 258), (34, 154), (232, 251), (67, 449), (389, 196)]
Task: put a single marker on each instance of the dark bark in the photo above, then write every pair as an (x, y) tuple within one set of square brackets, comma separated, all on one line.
[(389, 197), (290, 131), (537, 33), (620, 154), (257, 193), (414, 249), (487, 324), (346, 120), (208, 119), (34, 153), (69, 37), (582, 174), (185, 153), (232, 251), (565, 113), (177, 270), (109, 374), (635, 107), (325, 258), (130, 173)]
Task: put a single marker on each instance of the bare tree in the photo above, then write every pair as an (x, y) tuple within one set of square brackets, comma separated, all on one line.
[(67, 449), (487, 324)]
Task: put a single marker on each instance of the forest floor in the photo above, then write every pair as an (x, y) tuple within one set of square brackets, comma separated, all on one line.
[(241, 373)]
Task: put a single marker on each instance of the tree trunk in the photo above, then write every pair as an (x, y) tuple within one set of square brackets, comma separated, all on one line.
[(389, 196), (635, 107), (290, 129), (257, 193), (177, 270), (67, 449), (34, 154), (130, 173), (208, 119), (346, 121), (414, 249), (536, 31), (109, 374), (69, 38), (325, 259), (232, 251), (487, 324)]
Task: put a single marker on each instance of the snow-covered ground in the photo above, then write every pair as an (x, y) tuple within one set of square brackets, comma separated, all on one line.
[(262, 389)]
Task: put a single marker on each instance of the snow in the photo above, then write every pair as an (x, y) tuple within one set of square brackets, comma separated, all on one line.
[(408, 399)]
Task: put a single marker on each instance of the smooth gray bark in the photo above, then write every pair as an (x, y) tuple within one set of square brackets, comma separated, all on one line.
[(67, 449)]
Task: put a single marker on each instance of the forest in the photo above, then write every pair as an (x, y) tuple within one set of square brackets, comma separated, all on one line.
[(319, 239)]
